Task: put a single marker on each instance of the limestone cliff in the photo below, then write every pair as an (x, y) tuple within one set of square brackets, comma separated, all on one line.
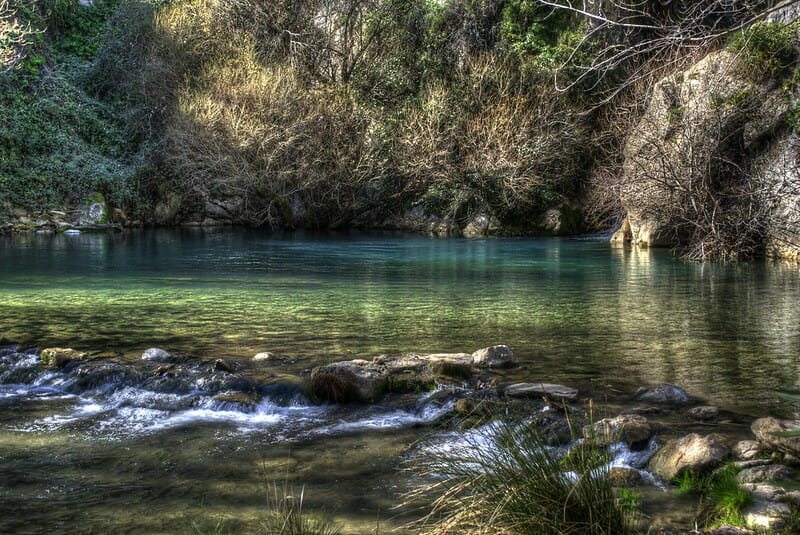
[(712, 164)]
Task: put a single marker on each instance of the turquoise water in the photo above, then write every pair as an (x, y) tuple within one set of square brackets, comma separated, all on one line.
[(125, 457), (570, 309)]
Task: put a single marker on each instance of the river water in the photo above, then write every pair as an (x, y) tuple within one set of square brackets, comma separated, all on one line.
[(129, 454)]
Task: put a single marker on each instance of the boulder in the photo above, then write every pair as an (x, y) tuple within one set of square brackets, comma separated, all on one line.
[(499, 356), (663, 394), (747, 450), (482, 224), (347, 381), (58, 357), (527, 390), (765, 430), (692, 452), (405, 374), (95, 211), (761, 474), (629, 428), (456, 365), (768, 510), (155, 354), (264, 356)]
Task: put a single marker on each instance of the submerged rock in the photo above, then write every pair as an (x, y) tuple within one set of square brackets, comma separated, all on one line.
[(58, 357), (664, 394), (692, 452), (541, 389), (765, 430), (155, 354), (221, 365), (499, 356)]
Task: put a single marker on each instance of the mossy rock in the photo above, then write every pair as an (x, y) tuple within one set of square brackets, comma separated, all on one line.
[(58, 357)]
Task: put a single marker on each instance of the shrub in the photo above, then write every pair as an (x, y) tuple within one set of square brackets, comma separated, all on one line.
[(766, 49)]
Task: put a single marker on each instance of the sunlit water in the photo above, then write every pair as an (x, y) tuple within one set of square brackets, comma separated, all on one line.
[(130, 455)]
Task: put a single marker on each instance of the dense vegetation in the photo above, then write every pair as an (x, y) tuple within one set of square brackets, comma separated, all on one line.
[(326, 113)]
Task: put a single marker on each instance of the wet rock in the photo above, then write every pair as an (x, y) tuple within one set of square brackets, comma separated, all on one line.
[(103, 377), (406, 374), (692, 452), (761, 474), (522, 390), (499, 356), (456, 365), (704, 412), (244, 400), (765, 430), (265, 356), (221, 365), (346, 381), (664, 394), (632, 429), (747, 450), (58, 357), (155, 354), (621, 476)]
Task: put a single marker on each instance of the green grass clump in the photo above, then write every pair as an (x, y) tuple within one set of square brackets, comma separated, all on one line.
[(722, 499), (506, 480)]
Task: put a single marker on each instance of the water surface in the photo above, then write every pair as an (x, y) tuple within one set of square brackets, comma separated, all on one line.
[(574, 311)]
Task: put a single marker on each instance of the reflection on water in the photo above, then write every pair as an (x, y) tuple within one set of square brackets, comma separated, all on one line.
[(574, 311)]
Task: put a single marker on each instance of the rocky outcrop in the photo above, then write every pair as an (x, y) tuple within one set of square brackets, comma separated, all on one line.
[(713, 140), (692, 452)]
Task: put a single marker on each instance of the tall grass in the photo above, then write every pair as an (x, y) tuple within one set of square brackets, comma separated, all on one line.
[(505, 479)]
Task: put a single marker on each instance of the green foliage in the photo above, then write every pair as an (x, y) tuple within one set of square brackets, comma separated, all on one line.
[(285, 515), (719, 492), (766, 49), (507, 480), (530, 28)]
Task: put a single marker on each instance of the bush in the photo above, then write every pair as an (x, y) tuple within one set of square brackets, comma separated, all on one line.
[(766, 49)]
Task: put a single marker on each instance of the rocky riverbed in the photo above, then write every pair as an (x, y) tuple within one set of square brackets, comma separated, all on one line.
[(657, 433)]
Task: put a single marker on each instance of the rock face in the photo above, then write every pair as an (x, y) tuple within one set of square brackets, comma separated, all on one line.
[(765, 428), (675, 171), (692, 452), (632, 429)]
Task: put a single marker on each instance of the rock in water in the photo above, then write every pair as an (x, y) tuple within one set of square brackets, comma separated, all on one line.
[(665, 394), (522, 390), (346, 381), (155, 354), (58, 357), (692, 452), (499, 356), (264, 356), (629, 428)]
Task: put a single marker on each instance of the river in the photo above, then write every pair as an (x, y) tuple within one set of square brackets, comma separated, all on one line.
[(130, 458)]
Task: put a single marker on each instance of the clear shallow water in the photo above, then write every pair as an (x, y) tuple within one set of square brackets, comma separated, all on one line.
[(574, 311)]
